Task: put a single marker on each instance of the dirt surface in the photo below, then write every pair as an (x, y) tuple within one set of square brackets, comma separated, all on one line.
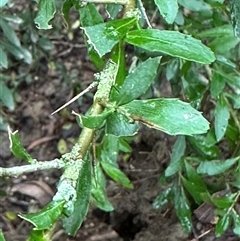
[(46, 136)]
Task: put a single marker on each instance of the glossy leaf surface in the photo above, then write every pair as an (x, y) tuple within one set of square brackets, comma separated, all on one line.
[(104, 36), (216, 167), (93, 122), (172, 43), (17, 51), (236, 221), (168, 115), (119, 125), (195, 5), (46, 217), (162, 198), (46, 12), (90, 16), (136, 83), (17, 148), (221, 118), (222, 224), (217, 85), (118, 57), (72, 223), (116, 174), (220, 31), (177, 153), (200, 145), (3, 60), (6, 96), (182, 208), (168, 9), (98, 191), (9, 33), (194, 183)]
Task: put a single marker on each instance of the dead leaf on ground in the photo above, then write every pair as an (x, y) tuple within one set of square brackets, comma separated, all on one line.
[(37, 190)]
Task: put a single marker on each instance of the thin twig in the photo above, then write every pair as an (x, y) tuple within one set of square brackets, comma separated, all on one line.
[(91, 86), (17, 171), (143, 11)]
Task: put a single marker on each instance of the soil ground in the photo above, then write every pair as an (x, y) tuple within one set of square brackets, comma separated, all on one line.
[(46, 136)]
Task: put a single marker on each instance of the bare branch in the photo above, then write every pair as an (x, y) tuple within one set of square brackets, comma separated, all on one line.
[(17, 171)]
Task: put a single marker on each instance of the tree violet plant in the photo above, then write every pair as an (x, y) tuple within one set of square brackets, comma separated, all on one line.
[(117, 110)]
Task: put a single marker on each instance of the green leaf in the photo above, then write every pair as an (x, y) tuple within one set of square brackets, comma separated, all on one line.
[(168, 9), (172, 69), (46, 12), (194, 183), (224, 44), (6, 97), (217, 32), (116, 174), (18, 52), (168, 115), (223, 202), (221, 117), (92, 122), (222, 59), (17, 149), (222, 224), (124, 146), (118, 57), (172, 43), (9, 33), (104, 36), (45, 44), (177, 153), (193, 176), (46, 217), (3, 2), (1, 236), (66, 7), (195, 5), (193, 189), (193, 86), (235, 99), (217, 85), (236, 221), (182, 208), (89, 15), (72, 223), (38, 235), (200, 145), (136, 83), (235, 16), (3, 59), (3, 124), (119, 125), (162, 198), (108, 150), (99, 190), (231, 79), (216, 167), (113, 9)]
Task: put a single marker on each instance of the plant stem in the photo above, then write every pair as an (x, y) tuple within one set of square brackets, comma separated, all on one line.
[(16, 171), (86, 136)]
